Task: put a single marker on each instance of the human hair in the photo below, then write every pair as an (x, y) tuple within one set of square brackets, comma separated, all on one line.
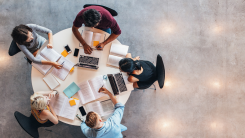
[(91, 17), (91, 119), (38, 102), (19, 34), (129, 65)]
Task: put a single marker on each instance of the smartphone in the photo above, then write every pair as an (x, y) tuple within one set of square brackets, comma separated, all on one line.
[(68, 49), (82, 111), (76, 52)]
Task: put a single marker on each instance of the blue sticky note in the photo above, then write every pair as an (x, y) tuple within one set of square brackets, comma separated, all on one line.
[(71, 90)]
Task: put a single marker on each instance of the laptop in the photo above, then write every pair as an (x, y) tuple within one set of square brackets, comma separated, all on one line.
[(89, 61), (117, 83)]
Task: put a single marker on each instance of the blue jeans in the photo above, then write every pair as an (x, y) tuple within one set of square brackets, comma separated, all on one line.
[(108, 30)]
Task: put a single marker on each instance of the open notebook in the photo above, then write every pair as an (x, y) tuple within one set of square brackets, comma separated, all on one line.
[(117, 52), (51, 81), (48, 55), (103, 108), (64, 71), (92, 39), (89, 89), (62, 107)]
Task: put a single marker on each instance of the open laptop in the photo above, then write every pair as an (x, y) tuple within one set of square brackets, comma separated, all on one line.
[(89, 60), (117, 82)]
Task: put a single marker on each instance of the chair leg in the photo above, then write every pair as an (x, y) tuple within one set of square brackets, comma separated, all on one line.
[(153, 88)]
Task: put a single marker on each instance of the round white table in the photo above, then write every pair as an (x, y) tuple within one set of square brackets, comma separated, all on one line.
[(79, 74)]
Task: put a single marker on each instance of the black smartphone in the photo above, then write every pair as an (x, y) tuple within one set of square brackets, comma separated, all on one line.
[(68, 49), (76, 52), (82, 111)]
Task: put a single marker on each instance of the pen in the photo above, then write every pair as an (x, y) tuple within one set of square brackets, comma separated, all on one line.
[(62, 63), (101, 86)]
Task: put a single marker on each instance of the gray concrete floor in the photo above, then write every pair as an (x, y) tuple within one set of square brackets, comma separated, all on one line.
[(202, 46)]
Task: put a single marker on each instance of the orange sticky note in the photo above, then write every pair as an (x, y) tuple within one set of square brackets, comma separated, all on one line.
[(64, 53), (75, 99), (96, 43), (72, 102), (72, 69)]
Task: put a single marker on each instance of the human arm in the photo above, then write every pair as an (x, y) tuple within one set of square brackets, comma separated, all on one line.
[(50, 40), (50, 115), (112, 37), (31, 57), (87, 48), (130, 56), (112, 97), (51, 94)]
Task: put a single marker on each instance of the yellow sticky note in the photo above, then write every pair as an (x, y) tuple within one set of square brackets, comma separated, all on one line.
[(72, 69), (96, 43), (75, 99), (72, 102), (64, 53)]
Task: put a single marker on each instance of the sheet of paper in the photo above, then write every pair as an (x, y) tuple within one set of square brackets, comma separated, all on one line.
[(87, 36), (41, 68), (85, 93), (71, 90), (64, 71), (51, 81), (50, 54), (114, 60), (57, 103), (107, 106), (95, 84), (119, 50), (96, 39), (69, 111), (95, 107)]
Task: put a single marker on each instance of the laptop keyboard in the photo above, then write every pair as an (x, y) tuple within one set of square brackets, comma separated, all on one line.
[(113, 84), (88, 60), (120, 82)]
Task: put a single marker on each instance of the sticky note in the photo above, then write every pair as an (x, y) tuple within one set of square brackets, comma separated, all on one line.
[(96, 43), (64, 53), (75, 99), (72, 69), (72, 102)]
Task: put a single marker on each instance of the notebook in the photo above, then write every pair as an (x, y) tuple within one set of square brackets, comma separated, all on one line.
[(89, 90), (103, 108), (61, 106), (51, 81), (48, 55), (64, 71), (71, 90), (117, 52), (92, 39)]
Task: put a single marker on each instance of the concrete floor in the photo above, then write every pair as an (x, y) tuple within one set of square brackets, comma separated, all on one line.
[(202, 45)]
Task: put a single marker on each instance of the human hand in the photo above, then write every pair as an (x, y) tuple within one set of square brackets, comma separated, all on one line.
[(87, 49), (52, 94), (57, 65), (49, 46), (137, 58), (100, 46), (104, 90)]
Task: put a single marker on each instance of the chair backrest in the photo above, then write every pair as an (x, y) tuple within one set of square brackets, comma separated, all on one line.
[(28, 124), (113, 12), (13, 49), (160, 71)]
